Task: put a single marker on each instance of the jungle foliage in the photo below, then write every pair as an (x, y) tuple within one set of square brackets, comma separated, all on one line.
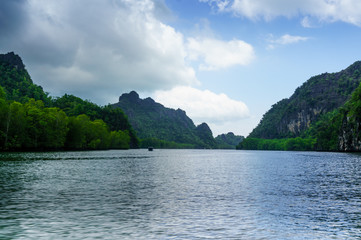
[(32, 126)]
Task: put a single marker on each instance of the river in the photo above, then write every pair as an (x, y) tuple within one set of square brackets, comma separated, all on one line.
[(180, 194)]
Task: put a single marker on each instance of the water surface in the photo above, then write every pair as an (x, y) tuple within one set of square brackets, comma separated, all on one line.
[(180, 194)]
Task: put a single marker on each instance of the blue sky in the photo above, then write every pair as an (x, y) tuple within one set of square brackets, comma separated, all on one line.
[(224, 62)]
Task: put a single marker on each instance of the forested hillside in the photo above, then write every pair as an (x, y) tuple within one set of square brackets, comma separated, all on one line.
[(115, 119), (323, 114), (161, 126), (16, 81), (31, 120), (319, 95)]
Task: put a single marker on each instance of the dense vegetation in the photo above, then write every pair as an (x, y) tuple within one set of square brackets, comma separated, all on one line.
[(31, 120), (334, 129), (114, 118), (286, 144), (32, 126)]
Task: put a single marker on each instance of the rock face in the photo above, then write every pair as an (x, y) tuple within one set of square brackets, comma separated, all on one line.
[(152, 120), (319, 95), (349, 139)]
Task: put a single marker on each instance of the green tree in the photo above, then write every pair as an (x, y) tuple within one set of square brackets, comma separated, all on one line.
[(45, 127), (119, 140), (35, 122), (55, 129), (15, 126), (98, 136), (115, 119), (86, 134), (4, 110), (326, 131), (2, 93), (76, 138)]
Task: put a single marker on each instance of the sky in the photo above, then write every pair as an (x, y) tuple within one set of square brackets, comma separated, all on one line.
[(225, 62)]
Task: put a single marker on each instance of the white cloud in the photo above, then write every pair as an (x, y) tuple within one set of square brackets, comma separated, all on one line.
[(285, 40), (288, 39), (217, 54), (204, 106), (307, 23), (220, 4), (348, 11)]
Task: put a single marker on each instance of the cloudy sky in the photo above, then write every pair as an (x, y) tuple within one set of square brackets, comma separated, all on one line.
[(224, 62)]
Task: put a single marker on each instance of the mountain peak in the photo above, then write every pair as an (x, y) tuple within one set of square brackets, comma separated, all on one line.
[(204, 127), (12, 59), (132, 96)]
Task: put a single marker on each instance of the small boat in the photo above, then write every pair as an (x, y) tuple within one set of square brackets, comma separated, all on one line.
[(150, 148)]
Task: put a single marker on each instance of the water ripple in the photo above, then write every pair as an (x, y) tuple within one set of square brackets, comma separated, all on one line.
[(180, 194)]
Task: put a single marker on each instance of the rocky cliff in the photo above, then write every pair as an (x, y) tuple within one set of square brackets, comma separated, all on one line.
[(349, 134), (350, 139)]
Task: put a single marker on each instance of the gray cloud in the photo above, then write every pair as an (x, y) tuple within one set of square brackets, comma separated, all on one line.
[(95, 49), (12, 17)]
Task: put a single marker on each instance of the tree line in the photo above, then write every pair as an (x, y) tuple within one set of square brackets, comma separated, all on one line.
[(33, 126)]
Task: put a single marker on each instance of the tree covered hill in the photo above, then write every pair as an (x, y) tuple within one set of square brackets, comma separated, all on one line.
[(151, 120), (319, 95), (16, 81), (228, 140), (31, 120), (324, 114)]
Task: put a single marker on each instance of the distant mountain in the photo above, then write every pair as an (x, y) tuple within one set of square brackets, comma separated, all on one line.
[(319, 95), (152, 120), (228, 140), (205, 134)]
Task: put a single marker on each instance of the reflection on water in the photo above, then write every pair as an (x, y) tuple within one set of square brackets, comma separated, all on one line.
[(181, 194)]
